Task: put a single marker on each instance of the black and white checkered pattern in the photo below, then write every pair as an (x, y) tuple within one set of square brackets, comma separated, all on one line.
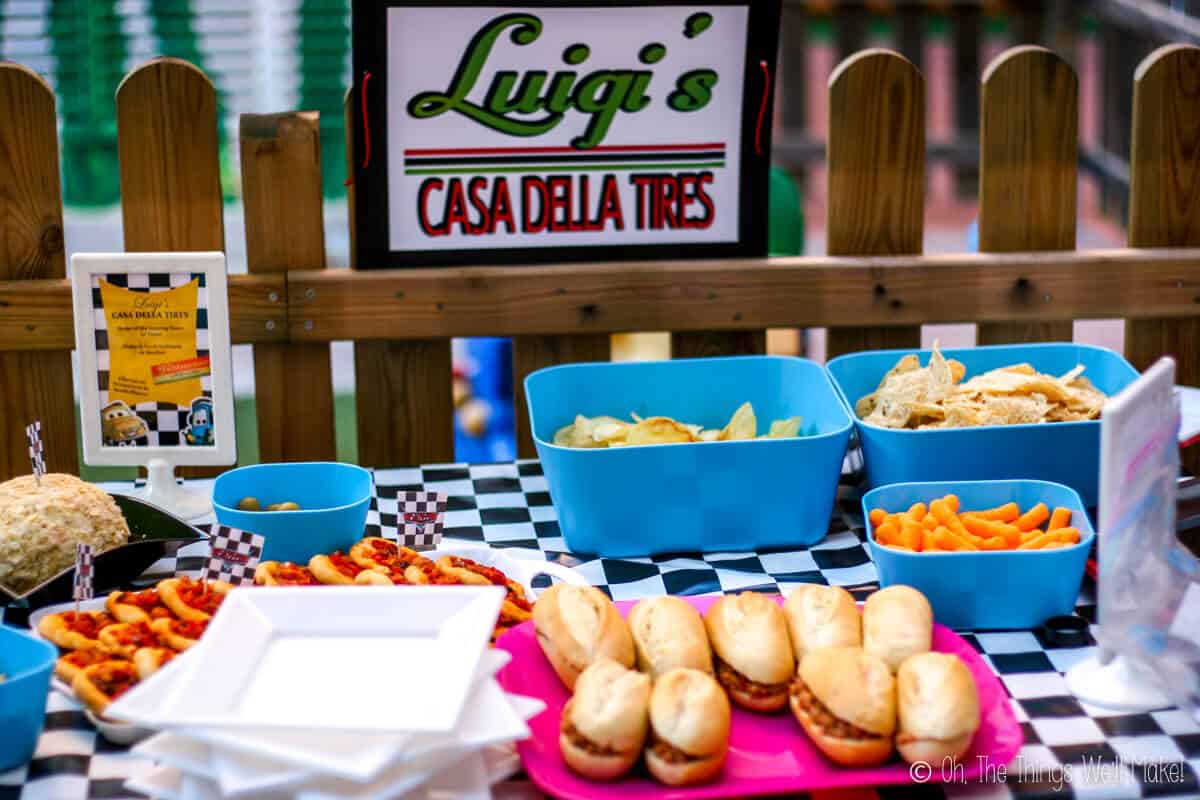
[(84, 583), (420, 519), (165, 422), (1107, 754), (37, 454), (233, 555)]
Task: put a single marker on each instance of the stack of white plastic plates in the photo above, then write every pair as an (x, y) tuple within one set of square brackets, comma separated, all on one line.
[(334, 692)]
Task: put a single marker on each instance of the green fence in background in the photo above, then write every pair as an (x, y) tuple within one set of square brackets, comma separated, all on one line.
[(89, 44)]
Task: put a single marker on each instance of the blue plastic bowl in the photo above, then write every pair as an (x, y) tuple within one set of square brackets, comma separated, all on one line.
[(704, 496), (26, 663), (1062, 452), (333, 498), (986, 590)]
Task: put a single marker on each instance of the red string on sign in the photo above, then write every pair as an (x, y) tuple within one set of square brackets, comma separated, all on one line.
[(362, 92), (762, 109)]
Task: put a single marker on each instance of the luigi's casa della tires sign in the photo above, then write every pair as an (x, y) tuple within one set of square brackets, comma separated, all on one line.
[(556, 132)]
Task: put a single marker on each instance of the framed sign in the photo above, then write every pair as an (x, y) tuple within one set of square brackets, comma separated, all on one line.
[(555, 131), (152, 333)]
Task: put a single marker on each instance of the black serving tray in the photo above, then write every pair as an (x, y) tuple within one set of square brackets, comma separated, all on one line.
[(153, 534)]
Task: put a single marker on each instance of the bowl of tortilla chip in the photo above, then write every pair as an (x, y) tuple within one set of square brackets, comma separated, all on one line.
[(982, 413)]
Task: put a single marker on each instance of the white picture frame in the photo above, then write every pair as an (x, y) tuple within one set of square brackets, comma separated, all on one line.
[(86, 269)]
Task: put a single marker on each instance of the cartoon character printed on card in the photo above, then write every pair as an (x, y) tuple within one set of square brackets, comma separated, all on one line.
[(120, 426), (199, 431)]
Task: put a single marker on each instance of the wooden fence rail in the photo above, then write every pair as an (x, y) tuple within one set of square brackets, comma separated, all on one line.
[(874, 289)]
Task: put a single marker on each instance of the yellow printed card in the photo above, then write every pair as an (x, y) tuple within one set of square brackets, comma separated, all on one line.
[(152, 344)]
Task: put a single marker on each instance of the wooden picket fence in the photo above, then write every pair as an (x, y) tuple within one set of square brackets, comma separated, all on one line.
[(874, 289)]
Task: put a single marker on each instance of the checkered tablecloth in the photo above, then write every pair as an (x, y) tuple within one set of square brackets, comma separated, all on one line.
[(1071, 749)]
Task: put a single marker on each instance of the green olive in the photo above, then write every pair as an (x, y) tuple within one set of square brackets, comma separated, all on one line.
[(249, 504)]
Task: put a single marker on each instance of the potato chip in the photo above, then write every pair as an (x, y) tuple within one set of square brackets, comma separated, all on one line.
[(658, 430), (598, 432), (783, 428), (934, 396), (742, 425)]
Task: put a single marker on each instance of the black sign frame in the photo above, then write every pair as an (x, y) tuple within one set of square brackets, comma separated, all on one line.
[(370, 208)]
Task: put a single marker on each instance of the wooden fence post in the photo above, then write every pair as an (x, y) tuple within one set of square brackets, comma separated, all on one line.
[(876, 163), (1028, 155), (169, 148), (1164, 196), (531, 353), (33, 385), (402, 389), (285, 230)]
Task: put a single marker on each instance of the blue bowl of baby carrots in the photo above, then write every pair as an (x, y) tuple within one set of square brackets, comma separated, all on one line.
[(989, 555)]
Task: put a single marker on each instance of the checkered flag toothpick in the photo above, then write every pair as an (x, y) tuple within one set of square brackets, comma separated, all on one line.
[(84, 573), (419, 523), (234, 554), (37, 453)]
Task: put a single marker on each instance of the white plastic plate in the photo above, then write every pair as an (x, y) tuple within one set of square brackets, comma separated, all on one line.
[(283, 659)]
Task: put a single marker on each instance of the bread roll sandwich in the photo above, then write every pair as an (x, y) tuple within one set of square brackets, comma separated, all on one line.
[(603, 727), (669, 633), (821, 616), (845, 699), (754, 659), (689, 728), (897, 622), (939, 708), (577, 625)]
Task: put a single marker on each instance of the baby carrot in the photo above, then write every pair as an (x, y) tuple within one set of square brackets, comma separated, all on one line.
[(994, 543), (877, 516), (1033, 517), (948, 539), (886, 532), (930, 522), (1061, 518), (910, 535), (952, 501), (1053, 545), (916, 512), (1039, 541), (986, 528), (1067, 535), (929, 538), (1005, 513)]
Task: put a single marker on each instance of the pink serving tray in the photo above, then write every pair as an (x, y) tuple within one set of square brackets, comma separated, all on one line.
[(768, 754)]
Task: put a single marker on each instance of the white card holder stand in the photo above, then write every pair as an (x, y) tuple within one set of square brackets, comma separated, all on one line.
[(1148, 655), (163, 490)]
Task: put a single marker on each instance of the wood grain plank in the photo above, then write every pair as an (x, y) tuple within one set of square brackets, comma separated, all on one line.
[(33, 385), (1164, 198), (876, 162), (285, 229), (403, 392), (169, 151), (777, 292), (1028, 154), (36, 315), (531, 353), (705, 344), (168, 146)]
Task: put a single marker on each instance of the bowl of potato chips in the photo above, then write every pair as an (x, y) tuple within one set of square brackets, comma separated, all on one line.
[(689, 455), (982, 413)]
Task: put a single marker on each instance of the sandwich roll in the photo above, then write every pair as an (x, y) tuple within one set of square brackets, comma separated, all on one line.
[(754, 660), (897, 622), (821, 616), (577, 625), (668, 633), (845, 699), (689, 728), (939, 708), (603, 727)]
